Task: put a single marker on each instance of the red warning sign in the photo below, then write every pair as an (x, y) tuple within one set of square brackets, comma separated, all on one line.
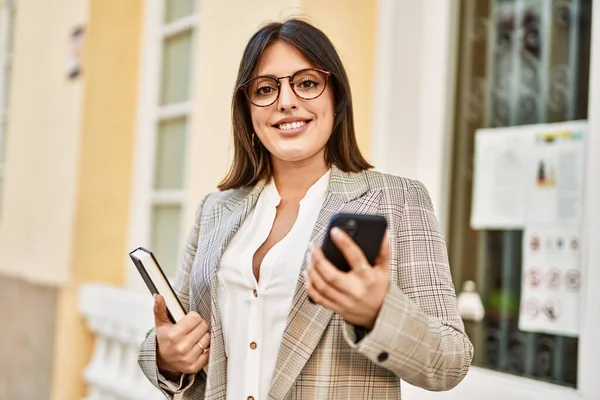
[(534, 242), (574, 243), (573, 280), (553, 278), (531, 308), (533, 277), (551, 310)]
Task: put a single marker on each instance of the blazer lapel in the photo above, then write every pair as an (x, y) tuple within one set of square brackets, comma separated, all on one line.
[(232, 214), (306, 322)]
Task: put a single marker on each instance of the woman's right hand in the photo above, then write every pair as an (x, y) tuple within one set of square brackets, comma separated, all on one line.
[(180, 346)]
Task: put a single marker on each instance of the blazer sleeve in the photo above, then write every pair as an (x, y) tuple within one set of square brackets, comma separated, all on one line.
[(147, 357), (418, 334)]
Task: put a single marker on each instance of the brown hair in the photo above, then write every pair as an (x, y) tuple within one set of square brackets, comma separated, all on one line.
[(252, 163)]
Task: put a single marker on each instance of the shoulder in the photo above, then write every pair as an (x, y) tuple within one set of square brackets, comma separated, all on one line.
[(213, 200), (404, 201), (396, 187)]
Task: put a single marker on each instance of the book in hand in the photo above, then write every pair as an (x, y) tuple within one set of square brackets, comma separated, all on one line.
[(157, 282)]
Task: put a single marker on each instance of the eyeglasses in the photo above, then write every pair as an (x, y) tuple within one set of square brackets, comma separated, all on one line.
[(307, 84)]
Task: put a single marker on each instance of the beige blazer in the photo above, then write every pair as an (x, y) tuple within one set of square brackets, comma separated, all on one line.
[(418, 336)]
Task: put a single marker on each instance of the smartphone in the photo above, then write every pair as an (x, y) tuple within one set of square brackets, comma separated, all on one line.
[(366, 230)]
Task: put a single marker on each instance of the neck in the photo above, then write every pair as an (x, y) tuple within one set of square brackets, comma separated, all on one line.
[(293, 179)]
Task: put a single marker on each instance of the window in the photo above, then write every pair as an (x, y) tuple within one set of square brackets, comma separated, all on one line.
[(164, 117), (7, 18), (520, 62)]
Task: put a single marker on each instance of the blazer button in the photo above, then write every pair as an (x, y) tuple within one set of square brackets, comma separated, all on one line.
[(382, 356)]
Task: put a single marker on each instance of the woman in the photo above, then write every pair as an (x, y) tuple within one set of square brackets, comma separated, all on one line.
[(253, 258)]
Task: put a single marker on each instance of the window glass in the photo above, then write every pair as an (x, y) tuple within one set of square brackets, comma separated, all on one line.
[(170, 134), (6, 36), (176, 9), (1, 186), (520, 62), (176, 67), (170, 151), (7, 77), (165, 236)]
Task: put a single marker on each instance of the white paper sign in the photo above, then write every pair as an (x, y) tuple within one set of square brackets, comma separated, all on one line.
[(498, 184), (551, 281), (528, 174), (554, 195), (553, 225)]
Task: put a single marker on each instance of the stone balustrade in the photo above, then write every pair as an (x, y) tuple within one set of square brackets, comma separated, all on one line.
[(119, 318)]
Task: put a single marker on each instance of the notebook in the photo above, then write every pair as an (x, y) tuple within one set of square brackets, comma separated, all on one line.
[(157, 282)]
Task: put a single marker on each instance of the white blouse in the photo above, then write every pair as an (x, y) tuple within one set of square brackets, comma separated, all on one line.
[(254, 315)]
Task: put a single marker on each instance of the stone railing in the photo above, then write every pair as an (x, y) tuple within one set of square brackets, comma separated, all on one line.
[(120, 319)]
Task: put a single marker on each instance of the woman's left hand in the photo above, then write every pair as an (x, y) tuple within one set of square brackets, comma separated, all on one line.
[(357, 295)]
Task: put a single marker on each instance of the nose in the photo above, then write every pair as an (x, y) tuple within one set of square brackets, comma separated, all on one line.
[(287, 98)]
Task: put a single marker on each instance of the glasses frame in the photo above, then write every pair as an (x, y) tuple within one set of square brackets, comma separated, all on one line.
[(244, 86)]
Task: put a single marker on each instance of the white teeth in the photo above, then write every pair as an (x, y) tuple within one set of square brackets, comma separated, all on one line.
[(292, 125)]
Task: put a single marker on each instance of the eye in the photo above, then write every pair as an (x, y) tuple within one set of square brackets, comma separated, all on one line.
[(307, 83), (265, 90)]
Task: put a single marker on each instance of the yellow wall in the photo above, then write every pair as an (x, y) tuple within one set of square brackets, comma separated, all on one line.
[(104, 185), (36, 225), (350, 24)]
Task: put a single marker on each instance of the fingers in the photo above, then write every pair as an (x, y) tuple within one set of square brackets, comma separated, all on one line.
[(178, 348), (197, 356), (161, 317), (320, 297), (351, 251), (199, 348), (190, 322), (183, 335), (202, 355), (324, 274), (193, 337), (200, 362), (187, 354), (383, 259)]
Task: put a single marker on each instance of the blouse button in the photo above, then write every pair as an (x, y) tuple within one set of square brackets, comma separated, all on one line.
[(254, 293), (253, 345), (250, 398)]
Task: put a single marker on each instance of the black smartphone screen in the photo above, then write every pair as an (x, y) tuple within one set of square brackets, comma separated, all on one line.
[(365, 229)]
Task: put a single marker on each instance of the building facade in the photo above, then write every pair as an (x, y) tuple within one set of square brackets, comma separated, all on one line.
[(97, 163)]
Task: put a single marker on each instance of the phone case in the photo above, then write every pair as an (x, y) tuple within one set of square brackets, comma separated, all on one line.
[(365, 229)]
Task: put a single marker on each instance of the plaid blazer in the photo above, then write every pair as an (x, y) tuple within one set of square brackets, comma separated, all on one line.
[(418, 337)]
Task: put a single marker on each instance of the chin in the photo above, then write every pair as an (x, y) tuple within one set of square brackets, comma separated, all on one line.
[(293, 155)]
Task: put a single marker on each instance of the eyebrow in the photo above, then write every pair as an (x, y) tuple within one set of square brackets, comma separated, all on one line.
[(275, 76)]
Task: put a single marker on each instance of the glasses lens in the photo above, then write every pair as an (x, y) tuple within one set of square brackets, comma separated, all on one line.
[(309, 83), (262, 91)]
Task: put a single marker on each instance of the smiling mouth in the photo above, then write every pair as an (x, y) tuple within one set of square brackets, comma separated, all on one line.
[(291, 125)]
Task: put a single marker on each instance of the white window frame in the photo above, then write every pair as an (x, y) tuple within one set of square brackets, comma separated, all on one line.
[(427, 157), (5, 61), (149, 114)]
